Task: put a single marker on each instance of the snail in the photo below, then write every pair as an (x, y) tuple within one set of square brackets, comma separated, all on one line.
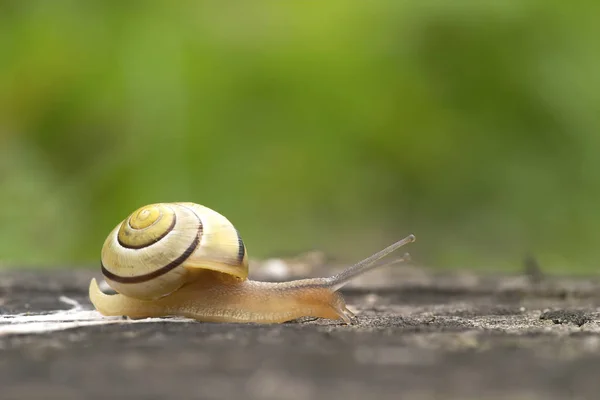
[(184, 259)]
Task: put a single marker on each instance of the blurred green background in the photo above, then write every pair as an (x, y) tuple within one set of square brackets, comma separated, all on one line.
[(337, 126)]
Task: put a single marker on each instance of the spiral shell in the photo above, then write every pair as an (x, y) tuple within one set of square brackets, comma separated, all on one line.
[(157, 249)]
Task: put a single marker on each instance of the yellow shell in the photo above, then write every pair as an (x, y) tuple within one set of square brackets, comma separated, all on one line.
[(157, 249)]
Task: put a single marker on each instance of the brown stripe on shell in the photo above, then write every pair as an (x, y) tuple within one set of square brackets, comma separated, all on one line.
[(163, 270), (241, 248), (151, 242)]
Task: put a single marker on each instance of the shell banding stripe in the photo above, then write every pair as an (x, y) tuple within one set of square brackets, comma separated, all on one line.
[(151, 241), (162, 270), (146, 226), (241, 248)]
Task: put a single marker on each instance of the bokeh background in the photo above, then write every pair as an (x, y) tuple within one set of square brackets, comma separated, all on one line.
[(335, 126)]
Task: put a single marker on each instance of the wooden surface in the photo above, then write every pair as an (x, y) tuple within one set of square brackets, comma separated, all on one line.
[(417, 336)]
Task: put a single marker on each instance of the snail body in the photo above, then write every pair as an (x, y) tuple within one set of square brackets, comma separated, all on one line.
[(184, 259)]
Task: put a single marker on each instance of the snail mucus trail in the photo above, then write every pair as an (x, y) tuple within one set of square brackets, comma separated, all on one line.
[(184, 259)]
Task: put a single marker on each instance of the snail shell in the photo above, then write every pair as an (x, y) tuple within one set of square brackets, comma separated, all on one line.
[(160, 247)]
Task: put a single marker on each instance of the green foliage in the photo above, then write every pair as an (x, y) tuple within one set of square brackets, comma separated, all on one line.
[(332, 125)]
